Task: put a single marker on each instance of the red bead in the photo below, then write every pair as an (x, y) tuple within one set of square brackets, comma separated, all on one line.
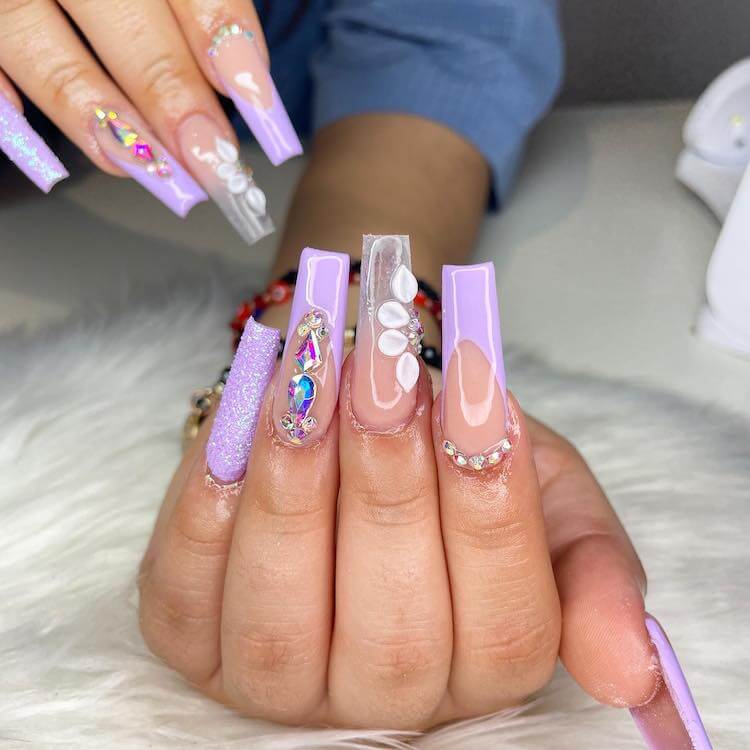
[(420, 298)]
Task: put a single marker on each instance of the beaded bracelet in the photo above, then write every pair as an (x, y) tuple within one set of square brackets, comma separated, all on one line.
[(281, 290)]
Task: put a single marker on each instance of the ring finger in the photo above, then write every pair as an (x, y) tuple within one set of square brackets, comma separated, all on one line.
[(505, 604)]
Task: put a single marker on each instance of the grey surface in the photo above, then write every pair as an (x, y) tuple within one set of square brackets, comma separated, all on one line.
[(601, 255), (650, 49)]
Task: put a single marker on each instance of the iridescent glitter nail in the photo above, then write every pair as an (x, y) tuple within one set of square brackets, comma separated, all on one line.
[(231, 438), (25, 148)]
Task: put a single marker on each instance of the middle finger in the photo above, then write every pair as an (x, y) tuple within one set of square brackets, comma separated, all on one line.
[(390, 656)]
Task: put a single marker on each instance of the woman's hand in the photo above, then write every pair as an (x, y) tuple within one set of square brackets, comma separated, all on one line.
[(142, 99), (363, 576)]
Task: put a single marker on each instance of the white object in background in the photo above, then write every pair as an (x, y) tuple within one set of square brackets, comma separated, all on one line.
[(725, 319), (717, 140)]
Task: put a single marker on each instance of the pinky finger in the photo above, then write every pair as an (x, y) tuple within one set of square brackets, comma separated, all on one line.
[(23, 145)]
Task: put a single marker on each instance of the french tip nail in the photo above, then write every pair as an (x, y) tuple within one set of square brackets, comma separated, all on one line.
[(248, 81), (233, 431), (671, 719), (308, 385), (27, 150), (474, 403), (141, 156)]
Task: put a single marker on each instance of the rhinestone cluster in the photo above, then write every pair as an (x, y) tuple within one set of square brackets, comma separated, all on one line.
[(480, 461), (129, 139), (224, 33), (302, 390)]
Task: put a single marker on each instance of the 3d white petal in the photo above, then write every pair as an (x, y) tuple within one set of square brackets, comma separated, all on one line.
[(392, 343), (226, 171), (404, 285), (407, 371), (226, 150), (257, 199), (393, 314), (238, 183)]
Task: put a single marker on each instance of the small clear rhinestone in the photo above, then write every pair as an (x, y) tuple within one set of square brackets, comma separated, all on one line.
[(477, 462), (235, 29), (494, 458), (449, 448), (460, 459), (505, 445)]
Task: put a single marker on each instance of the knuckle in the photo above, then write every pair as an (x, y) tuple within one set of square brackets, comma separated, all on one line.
[(403, 658), (482, 529), (163, 77), (393, 506), (274, 649), (528, 653), (269, 667), (65, 79), (173, 623)]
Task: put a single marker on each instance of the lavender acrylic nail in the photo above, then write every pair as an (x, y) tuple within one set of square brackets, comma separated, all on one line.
[(26, 149), (233, 431), (308, 386), (670, 720), (248, 82), (140, 155)]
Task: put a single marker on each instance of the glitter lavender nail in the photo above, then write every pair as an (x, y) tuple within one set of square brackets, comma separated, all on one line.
[(26, 149), (233, 430)]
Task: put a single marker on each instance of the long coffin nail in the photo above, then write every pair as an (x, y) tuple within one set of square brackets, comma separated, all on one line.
[(311, 367), (216, 163), (233, 429), (26, 149), (389, 335), (140, 155), (474, 403), (670, 720), (248, 82)]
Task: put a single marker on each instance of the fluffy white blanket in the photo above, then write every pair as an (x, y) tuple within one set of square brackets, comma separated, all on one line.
[(89, 434)]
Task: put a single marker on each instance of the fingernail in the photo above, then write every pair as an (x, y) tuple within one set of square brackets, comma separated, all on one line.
[(670, 720), (216, 163), (248, 82), (389, 335), (474, 403), (236, 419), (140, 155), (308, 384), (26, 149)]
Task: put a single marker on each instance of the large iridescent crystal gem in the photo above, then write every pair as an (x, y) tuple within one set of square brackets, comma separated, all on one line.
[(297, 420), (308, 352)]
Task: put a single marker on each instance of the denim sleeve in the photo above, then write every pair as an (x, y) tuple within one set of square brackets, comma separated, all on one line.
[(488, 69)]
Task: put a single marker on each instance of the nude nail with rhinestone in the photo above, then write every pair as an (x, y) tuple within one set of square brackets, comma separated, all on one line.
[(474, 401), (137, 152), (233, 430), (215, 162), (389, 335), (308, 384), (248, 82)]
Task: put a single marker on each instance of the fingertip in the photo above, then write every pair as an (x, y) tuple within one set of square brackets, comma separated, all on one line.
[(605, 644)]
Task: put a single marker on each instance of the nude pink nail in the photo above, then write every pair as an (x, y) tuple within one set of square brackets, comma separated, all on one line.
[(389, 335), (308, 386), (138, 153), (670, 720), (474, 401), (216, 164), (248, 82)]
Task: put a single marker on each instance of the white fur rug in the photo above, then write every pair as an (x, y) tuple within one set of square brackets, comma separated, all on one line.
[(90, 420)]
